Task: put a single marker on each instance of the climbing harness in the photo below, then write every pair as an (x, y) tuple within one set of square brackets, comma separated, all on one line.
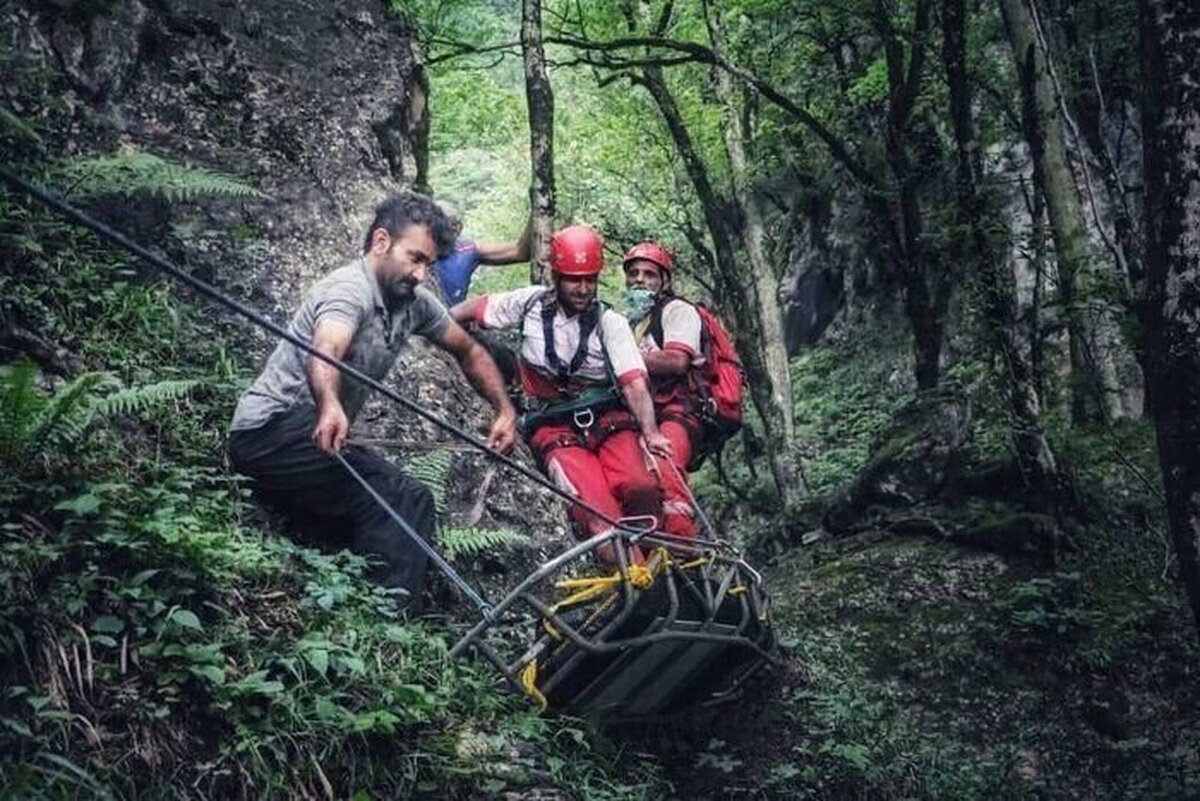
[(686, 627)]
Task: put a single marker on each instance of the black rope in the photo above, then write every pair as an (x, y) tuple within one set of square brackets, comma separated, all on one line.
[(212, 293), (484, 607)]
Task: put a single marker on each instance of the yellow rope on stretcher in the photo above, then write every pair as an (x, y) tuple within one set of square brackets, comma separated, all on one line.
[(588, 588), (529, 685), (703, 560)]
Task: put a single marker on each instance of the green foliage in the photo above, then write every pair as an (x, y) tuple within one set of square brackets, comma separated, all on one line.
[(471, 541), (475, 111), (132, 172), (433, 470), (11, 123), (872, 86), (170, 612), (38, 428), (843, 396)]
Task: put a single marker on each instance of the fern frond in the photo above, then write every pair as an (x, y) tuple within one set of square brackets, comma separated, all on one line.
[(32, 423), (469, 541), (433, 470), (12, 121), (132, 172), (69, 412), (20, 406), (132, 400)]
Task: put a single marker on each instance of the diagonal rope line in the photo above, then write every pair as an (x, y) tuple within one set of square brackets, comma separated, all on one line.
[(214, 294), (484, 607)]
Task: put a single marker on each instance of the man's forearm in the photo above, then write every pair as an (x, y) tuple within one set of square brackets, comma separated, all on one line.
[(485, 377), (637, 398), (465, 311), (325, 381), (666, 363)]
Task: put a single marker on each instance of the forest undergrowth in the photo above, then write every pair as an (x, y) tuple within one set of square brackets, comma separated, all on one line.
[(919, 665), (161, 637)]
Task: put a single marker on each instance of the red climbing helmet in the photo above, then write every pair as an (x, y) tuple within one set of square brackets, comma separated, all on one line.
[(652, 252), (577, 250)]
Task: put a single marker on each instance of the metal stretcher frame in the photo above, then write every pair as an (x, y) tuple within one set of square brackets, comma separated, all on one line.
[(640, 671)]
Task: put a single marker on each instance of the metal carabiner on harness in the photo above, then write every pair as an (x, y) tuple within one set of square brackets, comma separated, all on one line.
[(584, 419)]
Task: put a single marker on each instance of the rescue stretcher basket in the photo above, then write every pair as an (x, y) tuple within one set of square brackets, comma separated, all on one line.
[(683, 628)]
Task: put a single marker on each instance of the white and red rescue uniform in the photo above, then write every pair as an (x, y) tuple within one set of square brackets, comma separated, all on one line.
[(604, 464), (674, 407)]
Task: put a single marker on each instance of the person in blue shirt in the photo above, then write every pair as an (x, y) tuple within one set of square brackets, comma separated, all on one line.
[(455, 270)]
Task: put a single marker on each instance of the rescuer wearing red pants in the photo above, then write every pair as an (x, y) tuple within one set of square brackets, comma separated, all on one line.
[(586, 386), (668, 330)]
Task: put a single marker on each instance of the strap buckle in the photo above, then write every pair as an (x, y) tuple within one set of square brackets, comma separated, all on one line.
[(584, 419)]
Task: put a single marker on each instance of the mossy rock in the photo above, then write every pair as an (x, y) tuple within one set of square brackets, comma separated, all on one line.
[(918, 457), (1018, 534)]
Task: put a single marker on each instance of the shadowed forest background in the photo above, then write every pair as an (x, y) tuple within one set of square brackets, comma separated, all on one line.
[(956, 243)]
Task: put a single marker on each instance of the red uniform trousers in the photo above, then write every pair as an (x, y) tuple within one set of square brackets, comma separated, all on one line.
[(606, 468), (683, 430)]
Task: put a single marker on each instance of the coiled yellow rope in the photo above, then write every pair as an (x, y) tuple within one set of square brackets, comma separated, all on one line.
[(529, 685)]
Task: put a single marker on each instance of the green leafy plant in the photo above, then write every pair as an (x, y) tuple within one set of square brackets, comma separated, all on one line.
[(37, 426), (132, 172), (433, 470), (471, 540), (14, 123)]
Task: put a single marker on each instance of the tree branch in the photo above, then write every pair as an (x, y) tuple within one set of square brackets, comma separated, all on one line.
[(460, 49), (703, 54)]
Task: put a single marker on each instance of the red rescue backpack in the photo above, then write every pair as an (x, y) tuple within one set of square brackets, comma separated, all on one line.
[(716, 385), (719, 381)]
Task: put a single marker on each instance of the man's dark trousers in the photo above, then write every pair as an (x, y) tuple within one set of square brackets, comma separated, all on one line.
[(307, 484)]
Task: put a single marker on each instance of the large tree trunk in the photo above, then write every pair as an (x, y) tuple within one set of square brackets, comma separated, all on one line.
[(731, 280), (1091, 115), (1170, 310), (764, 287), (1056, 182), (541, 139), (996, 284), (926, 284)]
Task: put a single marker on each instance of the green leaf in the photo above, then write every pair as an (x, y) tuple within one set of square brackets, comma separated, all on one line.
[(352, 665), (131, 172), (326, 709), (17, 726), (144, 576), (212, 673), (187, 619), (108, 624), (83, 505), (319, 659), (14, 122), (257, 683), (379, 719), (415, 695)]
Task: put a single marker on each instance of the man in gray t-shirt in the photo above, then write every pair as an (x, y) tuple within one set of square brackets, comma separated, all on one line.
[(299, 409)]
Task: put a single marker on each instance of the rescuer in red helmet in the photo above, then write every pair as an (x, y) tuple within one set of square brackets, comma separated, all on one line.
[(589, 408), (668, 331)]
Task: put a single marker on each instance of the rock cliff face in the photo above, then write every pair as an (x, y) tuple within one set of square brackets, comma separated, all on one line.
[(321, 105)]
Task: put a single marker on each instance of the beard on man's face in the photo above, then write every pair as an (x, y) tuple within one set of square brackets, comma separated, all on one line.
[(400, 288), (577, 301)]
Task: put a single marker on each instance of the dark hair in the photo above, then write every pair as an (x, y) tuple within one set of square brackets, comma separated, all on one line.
[(405, 209)]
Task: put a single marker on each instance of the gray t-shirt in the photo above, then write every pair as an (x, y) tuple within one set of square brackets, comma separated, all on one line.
[(351, 295)]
